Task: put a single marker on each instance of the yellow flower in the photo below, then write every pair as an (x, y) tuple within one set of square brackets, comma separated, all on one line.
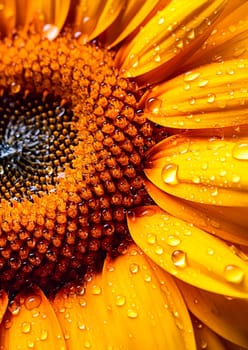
[(124, 160)]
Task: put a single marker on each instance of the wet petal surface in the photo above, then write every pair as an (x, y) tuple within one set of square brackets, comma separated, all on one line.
[(189, 253)]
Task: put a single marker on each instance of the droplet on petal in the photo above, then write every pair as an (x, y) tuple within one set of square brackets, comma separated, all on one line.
[(169, 174), (179, 258), (240, 151), (234, 274)]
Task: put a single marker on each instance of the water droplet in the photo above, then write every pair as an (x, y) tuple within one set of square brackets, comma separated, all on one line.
[(96, 290), (179, 258), (191, 76), (173, 241), (87, 344), (211, 98), (203, 82), (120, 300), (161, 20), (210, 251), (233, 274), (235, 179), (131, 313), (26, 327), (191, 34), (15, 88), (153, 105), (159, 250), (43, 334), (32, 302), (169, 174), (134, 268), (51, 31), (81, 326), (240, 151), (151, 238)]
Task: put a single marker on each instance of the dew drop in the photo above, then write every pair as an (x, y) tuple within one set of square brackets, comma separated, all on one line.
[(211, 98), (240, 151), (26, 327), (51, 31), (87, 344), (15, 88), (96, 290), (159, 250), (203, 82), (131, 313), (170, 174), (153, 105), (233, 274), (235, 179), (151, 238), (179, 258), (44, 334), (81, 326), (120, 300), (32, 302), (134, 268), (173, 241), (191, 76)]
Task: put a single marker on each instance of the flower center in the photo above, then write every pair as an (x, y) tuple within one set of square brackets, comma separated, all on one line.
[(35, 132), (73, 142)]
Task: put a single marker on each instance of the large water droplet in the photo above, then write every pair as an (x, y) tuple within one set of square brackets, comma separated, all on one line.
[(170, 174), (153, 105), (151, 238), (240, 151), (96, 290), (179, 258), (233, 274), (32, 302)]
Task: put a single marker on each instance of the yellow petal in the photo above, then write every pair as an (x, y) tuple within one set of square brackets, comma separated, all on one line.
[(50, 16), (133, 304), (31, 323), (131, 16), (211, 96), (3, 304), (188, 253), (201, 169), (172, 34), (205, 338), (223, 315), (228, 40), (229, 223)]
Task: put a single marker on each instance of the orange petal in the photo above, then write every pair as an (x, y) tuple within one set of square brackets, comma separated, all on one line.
[(201, 169), (30, 323), (189, 253), (3, 303), (50, 16), (223, 315), (229, 223), (205, 338), (211, 96), (131, 16), (91, 18), (132, 304), (171, 35), (228, 40), (14, 14)]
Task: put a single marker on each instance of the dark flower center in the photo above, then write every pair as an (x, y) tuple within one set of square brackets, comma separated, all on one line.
[(73, 143), (36, 140)]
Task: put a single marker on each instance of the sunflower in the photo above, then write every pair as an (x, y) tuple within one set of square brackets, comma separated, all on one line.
[(124, 160)]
